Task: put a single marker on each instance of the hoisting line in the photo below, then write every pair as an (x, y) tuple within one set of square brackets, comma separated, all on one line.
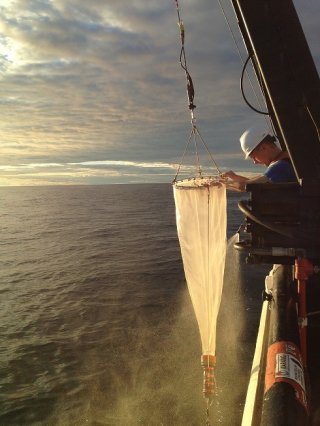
[(183, 63), (268, 122), (190, 92)]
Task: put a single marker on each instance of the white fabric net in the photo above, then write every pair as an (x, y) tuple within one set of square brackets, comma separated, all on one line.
[(201, 223)]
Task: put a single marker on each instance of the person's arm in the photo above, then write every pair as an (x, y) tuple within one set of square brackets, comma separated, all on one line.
[(234, 177), (239, 182)]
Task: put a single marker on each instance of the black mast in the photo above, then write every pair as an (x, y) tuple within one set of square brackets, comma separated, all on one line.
[(274, 38)]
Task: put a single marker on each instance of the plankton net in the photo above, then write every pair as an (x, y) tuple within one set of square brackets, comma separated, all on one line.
[(201, 225)]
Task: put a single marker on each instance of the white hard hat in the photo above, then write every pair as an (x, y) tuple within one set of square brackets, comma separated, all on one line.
[(251, 138)]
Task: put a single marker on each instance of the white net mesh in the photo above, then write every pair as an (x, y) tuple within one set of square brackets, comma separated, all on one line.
[(201, 223)]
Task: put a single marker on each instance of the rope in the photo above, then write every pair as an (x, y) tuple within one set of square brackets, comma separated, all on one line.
[(207, 149), (190, 92), (197, 152), (184, 153), (194, 133)]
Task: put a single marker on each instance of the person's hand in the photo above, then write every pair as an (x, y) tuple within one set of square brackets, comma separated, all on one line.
[(229, 175), (234, 181)]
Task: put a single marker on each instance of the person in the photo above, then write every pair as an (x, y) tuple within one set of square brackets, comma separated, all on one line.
[(260, 146)]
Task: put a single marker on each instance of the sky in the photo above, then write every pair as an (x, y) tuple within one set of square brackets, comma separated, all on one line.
[(92, 92)]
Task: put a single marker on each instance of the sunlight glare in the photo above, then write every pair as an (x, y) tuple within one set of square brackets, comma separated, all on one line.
[(9, 50)]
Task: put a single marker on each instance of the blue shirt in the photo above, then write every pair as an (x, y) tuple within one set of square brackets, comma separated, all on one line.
[(281, 171)]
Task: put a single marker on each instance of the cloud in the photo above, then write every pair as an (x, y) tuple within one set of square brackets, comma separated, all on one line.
[(97, 172), (84, 81)]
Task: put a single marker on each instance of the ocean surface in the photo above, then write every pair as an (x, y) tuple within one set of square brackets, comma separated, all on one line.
[(96, 324)]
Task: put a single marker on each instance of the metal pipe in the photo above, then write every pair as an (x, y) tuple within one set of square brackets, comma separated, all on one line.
[(285, 398), (303, 270)]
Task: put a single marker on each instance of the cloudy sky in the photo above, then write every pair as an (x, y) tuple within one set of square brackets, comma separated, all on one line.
[(92, 91)]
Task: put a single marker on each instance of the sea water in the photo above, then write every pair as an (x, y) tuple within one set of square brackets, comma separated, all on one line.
[(97, 327)]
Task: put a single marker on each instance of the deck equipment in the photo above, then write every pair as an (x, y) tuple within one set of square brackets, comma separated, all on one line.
[(283, 220)]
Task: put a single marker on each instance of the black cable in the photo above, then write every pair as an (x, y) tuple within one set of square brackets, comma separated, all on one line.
[(243, 207), (242, 90), (313, 121)]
